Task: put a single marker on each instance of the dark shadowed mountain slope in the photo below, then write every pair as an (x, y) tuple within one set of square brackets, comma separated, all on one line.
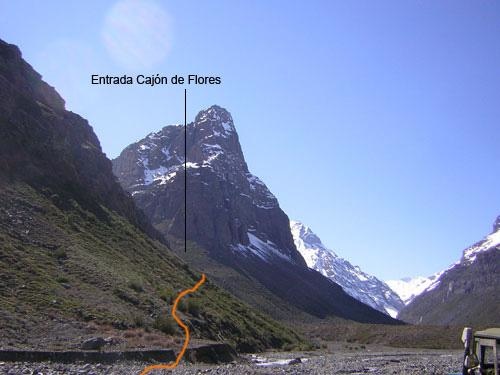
[(467, 293), (52, 149), (232, 215), (75, 259)]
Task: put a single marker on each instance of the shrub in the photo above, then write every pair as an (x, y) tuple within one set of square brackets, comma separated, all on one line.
[(194, 307), (138, 321), (62, 279), (136, 285), (182, 306), (167, 295), (165, 324), (124, 296), (60, 254)]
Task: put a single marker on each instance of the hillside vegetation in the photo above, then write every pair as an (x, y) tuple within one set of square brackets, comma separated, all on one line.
[(63, 267)]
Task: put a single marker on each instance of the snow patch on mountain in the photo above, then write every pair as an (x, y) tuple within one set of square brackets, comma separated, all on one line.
[(490, 241), (266, 250), (161, 175), (408, 288), (212, 152), (358, 284), (256, 185), (221, 127), (160, 158)]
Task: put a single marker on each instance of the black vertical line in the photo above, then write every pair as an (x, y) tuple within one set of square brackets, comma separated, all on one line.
[(185, 170)]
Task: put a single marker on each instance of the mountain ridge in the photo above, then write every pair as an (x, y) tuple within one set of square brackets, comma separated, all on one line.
[(452, 298), (60, 153), (408, 288), (360, 285), (230, 212)]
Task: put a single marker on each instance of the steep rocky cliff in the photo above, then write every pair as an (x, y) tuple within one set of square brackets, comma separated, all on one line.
[(52, 149), (467, 293), (230, 213), (226, 204)]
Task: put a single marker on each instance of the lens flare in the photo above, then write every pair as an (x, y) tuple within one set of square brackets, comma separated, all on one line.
[(136, 33)]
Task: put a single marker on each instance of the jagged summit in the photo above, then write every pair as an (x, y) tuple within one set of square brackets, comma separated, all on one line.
[(158, 159), (215, 111), (306, 235), (491, 241), (213, 114), (496, 224), (358, 284), (215, 120), (18, 73), (214, 158), (215, 126)]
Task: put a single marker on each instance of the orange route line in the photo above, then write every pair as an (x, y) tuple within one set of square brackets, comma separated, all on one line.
[(184, 327)]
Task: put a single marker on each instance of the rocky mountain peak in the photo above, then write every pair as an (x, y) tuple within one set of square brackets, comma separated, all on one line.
[(53, 150), (15, 72), (214, 123), (358, 284), (212, 139), (218, 173), (214, 114), (230, 214), (212, 145), (496, 224), (304, 233)]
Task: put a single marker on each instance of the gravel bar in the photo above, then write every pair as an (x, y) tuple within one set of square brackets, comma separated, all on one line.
[(364, 362)]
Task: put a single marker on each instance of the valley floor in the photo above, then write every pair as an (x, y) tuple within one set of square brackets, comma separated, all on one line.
[(337, 359)]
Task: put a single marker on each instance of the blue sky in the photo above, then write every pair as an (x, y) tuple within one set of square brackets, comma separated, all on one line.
[(375, 123)]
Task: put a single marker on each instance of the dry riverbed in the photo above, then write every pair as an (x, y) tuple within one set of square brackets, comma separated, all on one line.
[(340, 360)]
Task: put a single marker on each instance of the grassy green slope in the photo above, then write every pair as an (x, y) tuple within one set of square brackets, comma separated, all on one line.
[(242, 285), (63, 269)]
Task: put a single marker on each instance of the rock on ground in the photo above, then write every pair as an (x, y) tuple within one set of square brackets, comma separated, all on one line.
[(364, 362)]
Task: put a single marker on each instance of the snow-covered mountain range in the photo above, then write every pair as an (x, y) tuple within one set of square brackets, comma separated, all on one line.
[(360, 285), (466, 293), (410, 287)]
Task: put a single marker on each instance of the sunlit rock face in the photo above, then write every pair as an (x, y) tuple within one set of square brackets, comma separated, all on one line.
[(227, 205), (230, 213), (467, 292)]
